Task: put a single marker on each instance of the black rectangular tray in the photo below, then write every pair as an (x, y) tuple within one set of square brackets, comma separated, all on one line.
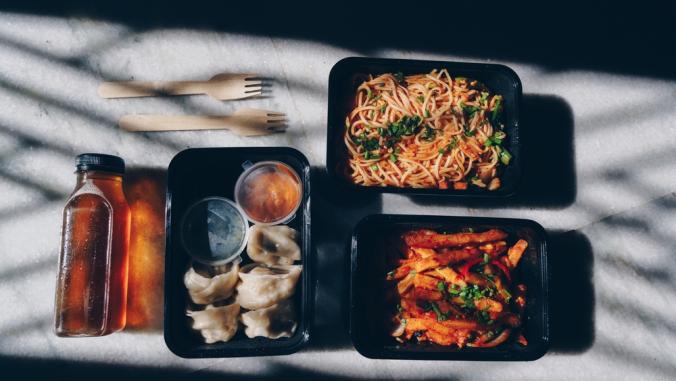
[(349, 73), (367, 277), (197, 173)]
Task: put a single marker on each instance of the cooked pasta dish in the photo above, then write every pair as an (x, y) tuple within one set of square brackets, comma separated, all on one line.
[(426, 131)]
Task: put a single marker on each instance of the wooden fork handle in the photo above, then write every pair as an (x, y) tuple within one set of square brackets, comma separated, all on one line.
[(236, 124), (131, 89), (175, 122)]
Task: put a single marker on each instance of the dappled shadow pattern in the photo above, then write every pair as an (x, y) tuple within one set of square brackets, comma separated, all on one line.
[(69, 370), (568, 35)]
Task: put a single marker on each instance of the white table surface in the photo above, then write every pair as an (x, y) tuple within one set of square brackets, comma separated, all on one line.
[(607, 200)]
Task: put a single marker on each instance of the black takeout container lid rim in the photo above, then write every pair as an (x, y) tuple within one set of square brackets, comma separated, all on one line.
[(393, 61), (544, 346), (517, 170), (308, 285)]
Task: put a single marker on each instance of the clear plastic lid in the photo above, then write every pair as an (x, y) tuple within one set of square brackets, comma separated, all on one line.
[(269, 192), (214, 231)]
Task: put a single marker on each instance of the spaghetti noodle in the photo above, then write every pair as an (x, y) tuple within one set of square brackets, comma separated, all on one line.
[(425, 131)]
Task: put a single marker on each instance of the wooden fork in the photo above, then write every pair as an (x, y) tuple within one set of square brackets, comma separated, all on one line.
[(245, 122), (221, 86)]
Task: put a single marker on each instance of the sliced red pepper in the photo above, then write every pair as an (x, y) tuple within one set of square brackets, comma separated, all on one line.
[(502, 267), (464, 269)]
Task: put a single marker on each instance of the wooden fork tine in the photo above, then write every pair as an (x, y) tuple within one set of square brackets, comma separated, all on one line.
[(250, 94), (277, 128)]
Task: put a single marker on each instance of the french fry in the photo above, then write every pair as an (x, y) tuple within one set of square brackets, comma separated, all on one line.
[(515, 252), (431, 239), (457, 289), (488, 304), (426, 282), (448, 275)]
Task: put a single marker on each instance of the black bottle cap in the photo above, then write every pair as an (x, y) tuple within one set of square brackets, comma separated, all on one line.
[(99, 162)]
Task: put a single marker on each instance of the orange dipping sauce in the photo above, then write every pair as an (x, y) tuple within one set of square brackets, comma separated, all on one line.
[(269, 192)]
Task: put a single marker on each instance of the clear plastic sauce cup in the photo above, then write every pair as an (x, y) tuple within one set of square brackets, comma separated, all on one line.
[(269, 192)]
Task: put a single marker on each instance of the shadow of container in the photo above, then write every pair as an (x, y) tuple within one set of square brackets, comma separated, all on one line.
[(571, 292), (548, 177), (145, 189), (334, 213)]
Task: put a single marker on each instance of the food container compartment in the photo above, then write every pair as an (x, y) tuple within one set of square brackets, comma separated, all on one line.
[(348, 73), (206, 172), (367, 285)]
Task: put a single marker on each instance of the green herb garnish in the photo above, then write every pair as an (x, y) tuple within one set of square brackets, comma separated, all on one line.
[(368, 155), (429, 133), (440, 315), (496, 108), (483, 98), (399, 77), (493, 141), (505, 156)]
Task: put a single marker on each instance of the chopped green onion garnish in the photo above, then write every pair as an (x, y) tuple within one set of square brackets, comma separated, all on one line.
[(374, 167), (497, 108), (440, 315), (440, 286), (487, 258), (505, 157)]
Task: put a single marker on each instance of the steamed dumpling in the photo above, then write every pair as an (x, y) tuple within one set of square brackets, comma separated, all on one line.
[(262, 286), (278, 320), (273, 245), (207, 290), (216, 323)]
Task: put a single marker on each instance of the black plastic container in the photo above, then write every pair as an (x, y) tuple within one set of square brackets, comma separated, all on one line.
[(367, 284), (349, 73), (198, 173)]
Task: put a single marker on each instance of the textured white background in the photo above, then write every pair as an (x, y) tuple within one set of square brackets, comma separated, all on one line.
[(623, 130)]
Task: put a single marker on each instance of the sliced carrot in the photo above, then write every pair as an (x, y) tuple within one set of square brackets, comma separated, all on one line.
[(460, 185)]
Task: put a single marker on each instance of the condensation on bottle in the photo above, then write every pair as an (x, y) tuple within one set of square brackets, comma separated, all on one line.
[(91, 288)]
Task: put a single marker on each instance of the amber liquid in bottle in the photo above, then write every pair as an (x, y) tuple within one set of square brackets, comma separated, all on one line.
[(91, 289)]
